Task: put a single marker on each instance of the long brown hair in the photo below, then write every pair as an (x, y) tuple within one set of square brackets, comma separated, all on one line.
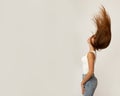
[(102, 37)]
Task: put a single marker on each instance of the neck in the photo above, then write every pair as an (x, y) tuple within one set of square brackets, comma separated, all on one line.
[(91, 48)]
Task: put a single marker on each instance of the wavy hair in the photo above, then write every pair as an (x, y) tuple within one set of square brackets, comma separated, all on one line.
[(102, 36)]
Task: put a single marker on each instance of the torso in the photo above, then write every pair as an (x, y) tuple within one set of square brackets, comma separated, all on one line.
[(85, 62)]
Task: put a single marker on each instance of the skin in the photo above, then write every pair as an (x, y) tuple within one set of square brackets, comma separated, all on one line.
[(91, 59)]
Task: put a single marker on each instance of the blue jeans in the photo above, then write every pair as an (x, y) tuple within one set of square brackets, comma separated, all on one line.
[(90, 85)]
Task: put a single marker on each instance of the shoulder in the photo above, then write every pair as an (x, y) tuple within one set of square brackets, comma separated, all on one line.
[(91, 55)]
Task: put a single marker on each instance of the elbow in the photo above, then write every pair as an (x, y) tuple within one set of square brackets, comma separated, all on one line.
[(91, 72)]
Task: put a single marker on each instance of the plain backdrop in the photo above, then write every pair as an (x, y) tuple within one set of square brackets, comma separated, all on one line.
[(42, 42)]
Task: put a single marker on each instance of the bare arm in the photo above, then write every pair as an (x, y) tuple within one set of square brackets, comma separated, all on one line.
[(91, 59)]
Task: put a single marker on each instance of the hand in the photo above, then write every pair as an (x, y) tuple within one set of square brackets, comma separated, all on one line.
[(83, 88)]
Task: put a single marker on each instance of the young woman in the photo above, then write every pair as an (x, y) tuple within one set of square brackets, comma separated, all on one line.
[(100, 40)]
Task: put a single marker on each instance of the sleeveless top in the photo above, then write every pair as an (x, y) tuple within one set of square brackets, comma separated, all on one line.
[(85, 65)]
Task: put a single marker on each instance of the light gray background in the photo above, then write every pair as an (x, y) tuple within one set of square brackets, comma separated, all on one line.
[(42, 42)]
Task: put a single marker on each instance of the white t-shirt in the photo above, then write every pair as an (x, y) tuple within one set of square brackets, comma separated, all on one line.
[(85, 65)]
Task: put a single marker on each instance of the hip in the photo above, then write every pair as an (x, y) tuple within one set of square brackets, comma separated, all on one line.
[(92, 81)]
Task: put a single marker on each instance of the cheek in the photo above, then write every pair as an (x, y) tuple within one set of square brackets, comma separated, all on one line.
[(92, 41)]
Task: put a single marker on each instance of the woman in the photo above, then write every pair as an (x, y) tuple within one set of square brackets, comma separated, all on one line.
[(100, 40)]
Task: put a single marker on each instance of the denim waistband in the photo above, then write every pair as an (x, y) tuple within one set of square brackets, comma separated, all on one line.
[(83, 75)]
